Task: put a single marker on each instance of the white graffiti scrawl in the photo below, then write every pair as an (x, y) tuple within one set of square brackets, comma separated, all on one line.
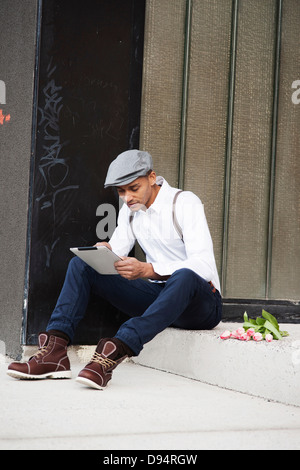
[(52, 166)]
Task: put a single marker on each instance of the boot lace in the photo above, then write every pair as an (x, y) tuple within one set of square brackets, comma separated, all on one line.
[(105, 362), (40, 352)]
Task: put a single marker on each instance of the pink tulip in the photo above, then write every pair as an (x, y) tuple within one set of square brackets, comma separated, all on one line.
[(234, 334), (240, 331), (251, 332), (225, 335), (269, 338), (257, 337), (244, 337)]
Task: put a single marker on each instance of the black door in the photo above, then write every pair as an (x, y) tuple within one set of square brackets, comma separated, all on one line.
[(86, 112)]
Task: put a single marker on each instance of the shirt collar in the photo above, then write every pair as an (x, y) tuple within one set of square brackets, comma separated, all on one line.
[(161, 195)]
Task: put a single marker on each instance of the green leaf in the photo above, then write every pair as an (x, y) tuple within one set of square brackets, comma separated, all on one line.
[(284, 333), (273, 330), (248, 325), (260, 329), (257, 328), (270, 318), (260, 321), (245, 317)]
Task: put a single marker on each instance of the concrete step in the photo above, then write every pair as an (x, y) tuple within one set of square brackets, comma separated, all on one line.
[(266, 370)]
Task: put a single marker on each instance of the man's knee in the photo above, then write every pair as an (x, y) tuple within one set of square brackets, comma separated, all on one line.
[(77, 264), (186, 278), (185, 273)]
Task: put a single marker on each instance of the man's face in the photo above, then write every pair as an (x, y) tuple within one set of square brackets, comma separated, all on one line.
[(139, 193)]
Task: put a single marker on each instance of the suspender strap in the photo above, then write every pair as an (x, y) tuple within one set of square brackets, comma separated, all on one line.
[(175, 221), (131, 225)]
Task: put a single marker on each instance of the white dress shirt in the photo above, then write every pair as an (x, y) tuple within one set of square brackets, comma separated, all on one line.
[(154, 230)]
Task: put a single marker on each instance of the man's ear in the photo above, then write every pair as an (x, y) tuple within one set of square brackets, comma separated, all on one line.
[(152, 178)]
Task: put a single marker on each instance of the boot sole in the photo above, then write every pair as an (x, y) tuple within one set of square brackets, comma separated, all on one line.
[(89, 383), (50, 375)]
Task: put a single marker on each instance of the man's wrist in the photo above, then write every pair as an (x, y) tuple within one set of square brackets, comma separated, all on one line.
[(148, 270), (151, 274)]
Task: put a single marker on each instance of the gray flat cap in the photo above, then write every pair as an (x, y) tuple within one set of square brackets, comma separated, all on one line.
[(127, 167)]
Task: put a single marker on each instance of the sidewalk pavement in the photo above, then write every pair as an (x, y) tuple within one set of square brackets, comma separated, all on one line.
[(141, 409), (267, 370)]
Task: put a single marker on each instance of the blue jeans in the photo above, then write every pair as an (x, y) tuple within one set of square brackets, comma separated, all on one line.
[(185, 301)]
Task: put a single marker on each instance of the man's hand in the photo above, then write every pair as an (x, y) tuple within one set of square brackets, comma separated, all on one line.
[(103, 244), (131, 268)]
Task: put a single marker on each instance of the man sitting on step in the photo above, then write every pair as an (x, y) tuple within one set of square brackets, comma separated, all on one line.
[(176, 286)]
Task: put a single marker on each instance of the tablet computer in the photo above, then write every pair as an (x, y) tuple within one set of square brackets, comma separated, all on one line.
[(100, 258)]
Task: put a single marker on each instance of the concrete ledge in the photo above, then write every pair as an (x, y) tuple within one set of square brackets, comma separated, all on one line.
[(267, 370)]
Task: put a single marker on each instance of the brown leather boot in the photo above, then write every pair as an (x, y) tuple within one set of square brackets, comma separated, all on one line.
[(109, 353), (50, 361)]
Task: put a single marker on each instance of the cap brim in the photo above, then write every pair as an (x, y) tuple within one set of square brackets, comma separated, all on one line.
[(125, 180)]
